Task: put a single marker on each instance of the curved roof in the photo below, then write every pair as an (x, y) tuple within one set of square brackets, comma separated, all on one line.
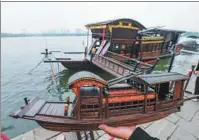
[(116, 21), (156, 78), (85, 75), (166, 30)]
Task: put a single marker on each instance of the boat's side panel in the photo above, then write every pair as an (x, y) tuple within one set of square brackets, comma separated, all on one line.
[(79, 65), (150, 54), (75, 64), (125, 121)]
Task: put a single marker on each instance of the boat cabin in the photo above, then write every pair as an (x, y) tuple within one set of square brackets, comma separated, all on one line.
[(130, 38), (116, 38), (98, 99)]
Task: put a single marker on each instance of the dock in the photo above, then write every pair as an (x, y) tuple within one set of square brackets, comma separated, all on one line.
[(182, 125)]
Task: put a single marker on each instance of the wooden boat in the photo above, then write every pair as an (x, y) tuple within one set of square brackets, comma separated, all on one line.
[(122, 37), (123, 101)]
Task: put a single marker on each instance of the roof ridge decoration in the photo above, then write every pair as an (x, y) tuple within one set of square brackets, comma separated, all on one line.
[(117, 22)]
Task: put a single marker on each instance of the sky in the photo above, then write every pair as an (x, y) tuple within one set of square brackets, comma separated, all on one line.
[(37, 17)]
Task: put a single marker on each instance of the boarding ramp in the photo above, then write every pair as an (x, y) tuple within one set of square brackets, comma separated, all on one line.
[(116, 66), (106, 47), (101, 46)]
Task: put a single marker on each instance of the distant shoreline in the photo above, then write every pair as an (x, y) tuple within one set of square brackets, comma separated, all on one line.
[(8, 35)]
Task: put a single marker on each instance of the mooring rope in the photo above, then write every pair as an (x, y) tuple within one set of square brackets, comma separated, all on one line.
[(36, 65)]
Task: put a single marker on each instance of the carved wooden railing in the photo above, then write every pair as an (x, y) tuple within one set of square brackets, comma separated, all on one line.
[(124, 108), (135, 64), (90, 107), (112, 66)]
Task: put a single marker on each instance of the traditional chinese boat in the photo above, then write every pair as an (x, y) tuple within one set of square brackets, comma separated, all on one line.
[(124, 41), (124, 101)]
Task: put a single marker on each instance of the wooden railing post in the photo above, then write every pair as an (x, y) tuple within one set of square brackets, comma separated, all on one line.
[(78, 104), (187, 82), (106, 108), (153, 67), (100, 103), (136, 66), (156, 102), (145, 99)]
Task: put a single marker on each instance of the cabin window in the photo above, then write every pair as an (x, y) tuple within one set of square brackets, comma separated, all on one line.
[(158, 47), (150, 46), (154, 47), (115, 47), (89, 91), (123, 46), (132, 49), (161, 46), (129, 46), (145, 48)]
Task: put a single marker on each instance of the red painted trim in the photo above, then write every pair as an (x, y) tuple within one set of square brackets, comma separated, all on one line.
[(4, 137)]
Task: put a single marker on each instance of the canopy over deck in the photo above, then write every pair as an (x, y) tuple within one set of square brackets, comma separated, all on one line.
[(166, 31), (85, 75), (117, 22), (153, 79)]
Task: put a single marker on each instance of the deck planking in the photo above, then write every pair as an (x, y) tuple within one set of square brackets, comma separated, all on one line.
[(23, 111), (55, 109), (35, 108), (52, 109), (44, 109)]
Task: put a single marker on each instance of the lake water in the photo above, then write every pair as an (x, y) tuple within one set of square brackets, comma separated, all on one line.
[(20, 55)]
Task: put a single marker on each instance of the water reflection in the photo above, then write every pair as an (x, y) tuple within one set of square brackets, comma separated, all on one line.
[(163, 64)]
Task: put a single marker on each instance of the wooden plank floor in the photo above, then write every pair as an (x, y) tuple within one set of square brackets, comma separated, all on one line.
[(35, 108), (53, 109)]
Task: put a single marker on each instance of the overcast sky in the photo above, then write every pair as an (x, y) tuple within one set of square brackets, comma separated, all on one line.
[(40, 17)]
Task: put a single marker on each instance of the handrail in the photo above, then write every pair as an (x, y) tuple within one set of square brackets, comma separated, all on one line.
[(123, 56), (124, 95), (117, 68), (122, 65), (128, 58), (120, 79), (130, 66)]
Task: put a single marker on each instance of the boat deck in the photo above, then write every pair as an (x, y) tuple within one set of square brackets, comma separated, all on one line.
[(65, 56), (52, 109)]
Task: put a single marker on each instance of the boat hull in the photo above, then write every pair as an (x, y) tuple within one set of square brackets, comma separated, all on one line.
[(75, 65), (83, 125)]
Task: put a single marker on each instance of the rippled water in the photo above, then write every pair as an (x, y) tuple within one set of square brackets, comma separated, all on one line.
[(20, 55)]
